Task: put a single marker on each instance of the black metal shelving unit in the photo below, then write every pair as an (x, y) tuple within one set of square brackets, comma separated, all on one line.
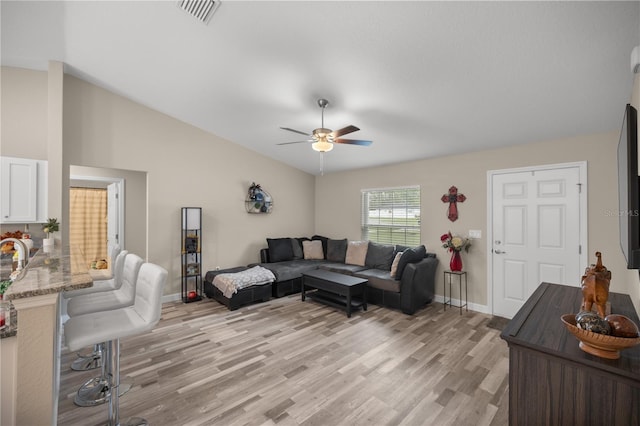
[(191, 254)]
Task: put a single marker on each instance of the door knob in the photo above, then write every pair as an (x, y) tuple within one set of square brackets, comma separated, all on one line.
[(499, 252)]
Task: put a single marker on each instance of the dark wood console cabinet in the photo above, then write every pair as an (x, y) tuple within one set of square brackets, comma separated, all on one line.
[(552, 381)]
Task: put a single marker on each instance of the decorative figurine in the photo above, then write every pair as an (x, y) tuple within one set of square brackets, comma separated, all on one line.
[(254, 191), (595, 287)]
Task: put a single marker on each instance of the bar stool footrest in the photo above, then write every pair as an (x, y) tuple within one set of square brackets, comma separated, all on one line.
[(96, 391), (86, 363), (134, 421)]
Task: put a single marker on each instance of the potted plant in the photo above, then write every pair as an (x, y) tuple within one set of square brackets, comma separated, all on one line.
[(52, 225), (4, 285)]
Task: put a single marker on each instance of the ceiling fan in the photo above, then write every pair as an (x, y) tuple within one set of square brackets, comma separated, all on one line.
[(323, 139)]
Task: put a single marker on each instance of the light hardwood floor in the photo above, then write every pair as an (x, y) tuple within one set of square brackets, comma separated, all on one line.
[(289, 362)]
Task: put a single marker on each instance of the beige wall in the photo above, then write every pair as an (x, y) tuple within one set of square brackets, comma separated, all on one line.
[(469, 173), (185, 167), (24, 113)]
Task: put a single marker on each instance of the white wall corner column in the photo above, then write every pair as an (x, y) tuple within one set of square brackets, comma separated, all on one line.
[(37, 365), (57, 197)]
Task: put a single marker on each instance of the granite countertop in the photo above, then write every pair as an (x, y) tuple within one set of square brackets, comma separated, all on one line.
[(12, 329), (48, 272), (52, 271)]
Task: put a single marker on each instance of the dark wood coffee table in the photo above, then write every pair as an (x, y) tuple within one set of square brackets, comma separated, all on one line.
[(338, 290)]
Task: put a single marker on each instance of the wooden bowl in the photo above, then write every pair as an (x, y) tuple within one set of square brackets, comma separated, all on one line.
[(597, 344)]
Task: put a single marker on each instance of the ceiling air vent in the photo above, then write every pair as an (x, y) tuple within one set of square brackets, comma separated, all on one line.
[(202, 10)]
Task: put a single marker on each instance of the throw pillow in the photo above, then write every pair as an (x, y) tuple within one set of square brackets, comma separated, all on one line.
[(324, 242), (408, 256), (379, 256), (400, 248), (312, 250), (356, 252), (336, 250), (394, 265), (422, 251), (280, 249), (296, 245)]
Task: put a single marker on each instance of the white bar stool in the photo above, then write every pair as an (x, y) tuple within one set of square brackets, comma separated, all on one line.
[(108, 300), (111, 326), (93, 360), (93, 391), (111, 284)]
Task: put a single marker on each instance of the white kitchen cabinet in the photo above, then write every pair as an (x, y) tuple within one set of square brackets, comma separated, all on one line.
[(23, 187)]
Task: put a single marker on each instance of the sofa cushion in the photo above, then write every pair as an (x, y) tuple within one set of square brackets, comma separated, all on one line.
[(394, 265), (292, 269), (336, 250), (379, 256), (280, 249), (312, 250), (356, 252), (410, 256), (379, 279), (296, 245), (342, 268), (324, 243)]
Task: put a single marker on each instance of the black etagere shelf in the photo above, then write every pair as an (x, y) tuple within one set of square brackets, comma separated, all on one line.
[(191, 254)]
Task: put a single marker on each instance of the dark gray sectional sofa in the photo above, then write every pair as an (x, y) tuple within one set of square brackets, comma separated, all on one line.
[(411, 290)]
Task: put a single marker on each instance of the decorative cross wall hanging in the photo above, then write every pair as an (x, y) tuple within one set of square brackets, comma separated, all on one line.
[(453, 198)]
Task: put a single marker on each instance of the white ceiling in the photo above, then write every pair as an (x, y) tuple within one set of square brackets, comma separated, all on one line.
[(421, 79)]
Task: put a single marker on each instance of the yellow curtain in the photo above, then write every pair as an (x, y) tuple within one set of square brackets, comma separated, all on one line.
[(88, 222)]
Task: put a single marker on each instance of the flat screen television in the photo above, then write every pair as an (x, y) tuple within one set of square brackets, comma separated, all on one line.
[(628, 189)]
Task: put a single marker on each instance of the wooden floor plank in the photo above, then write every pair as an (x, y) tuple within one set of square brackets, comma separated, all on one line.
[(287, 362)]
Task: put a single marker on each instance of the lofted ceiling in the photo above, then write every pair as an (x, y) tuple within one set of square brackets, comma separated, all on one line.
[(421, 79)]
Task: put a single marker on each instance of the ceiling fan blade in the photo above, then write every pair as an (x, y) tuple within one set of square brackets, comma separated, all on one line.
[(289, 143), (353, 142), (295, 131), (344, 131)]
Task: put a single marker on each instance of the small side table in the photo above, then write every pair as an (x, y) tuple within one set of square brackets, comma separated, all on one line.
[(460, 275)]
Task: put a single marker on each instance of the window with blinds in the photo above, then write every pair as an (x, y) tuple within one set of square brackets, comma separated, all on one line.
[(391, 215)]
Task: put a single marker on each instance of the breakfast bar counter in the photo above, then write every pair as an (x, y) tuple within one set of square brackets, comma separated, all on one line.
[(35, 296), (51, 272)]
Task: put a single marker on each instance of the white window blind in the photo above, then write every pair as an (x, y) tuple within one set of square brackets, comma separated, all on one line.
[(391, 215)]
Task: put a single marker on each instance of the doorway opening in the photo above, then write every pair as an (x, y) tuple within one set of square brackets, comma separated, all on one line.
[(96, 218)]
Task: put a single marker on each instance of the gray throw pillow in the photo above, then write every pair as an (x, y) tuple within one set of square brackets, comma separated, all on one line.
[(336, 250), (405, 248), (379, 256), (280, 249), (410, 256), (296, 245)]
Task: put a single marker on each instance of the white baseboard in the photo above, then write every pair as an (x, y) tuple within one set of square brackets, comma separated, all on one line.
[(484, 309), (175, 297)]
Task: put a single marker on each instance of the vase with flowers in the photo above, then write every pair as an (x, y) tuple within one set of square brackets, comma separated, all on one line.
[(455, 244), (52, 225)]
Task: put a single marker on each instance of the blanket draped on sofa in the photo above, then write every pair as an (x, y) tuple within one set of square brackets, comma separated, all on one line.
[(229, 284)]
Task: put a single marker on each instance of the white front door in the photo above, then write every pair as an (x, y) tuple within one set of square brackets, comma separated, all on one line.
[(538, 232)]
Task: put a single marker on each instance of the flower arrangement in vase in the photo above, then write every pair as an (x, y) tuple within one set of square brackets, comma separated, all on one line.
[(455, 244)]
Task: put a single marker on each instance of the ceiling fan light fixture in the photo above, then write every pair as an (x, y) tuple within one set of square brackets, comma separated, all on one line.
[(322, 146), (322, 134)]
